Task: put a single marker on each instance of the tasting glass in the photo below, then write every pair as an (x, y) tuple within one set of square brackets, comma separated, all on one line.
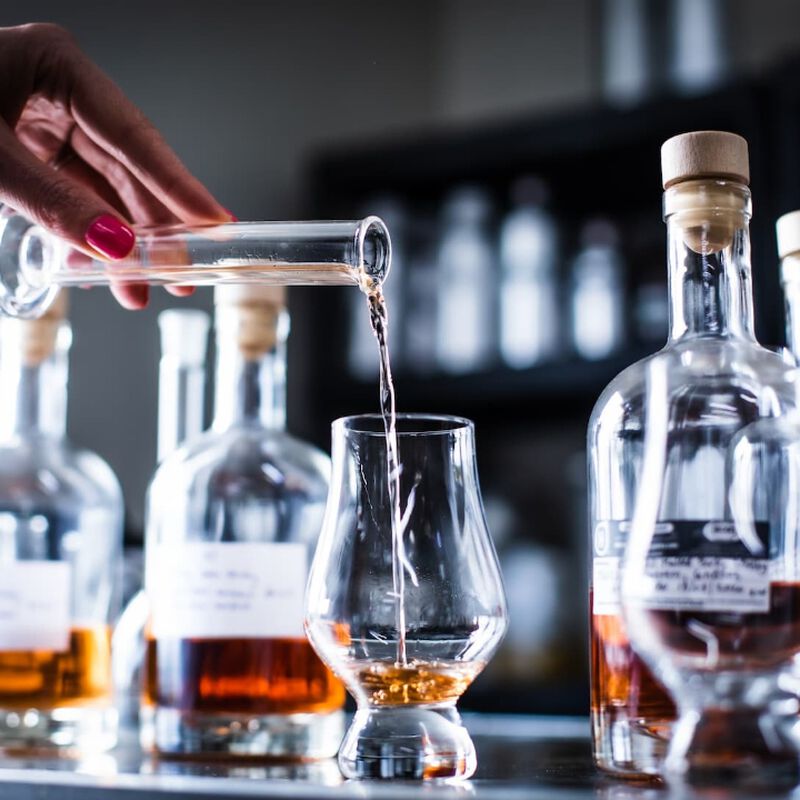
[(446, 592), (711, 575)]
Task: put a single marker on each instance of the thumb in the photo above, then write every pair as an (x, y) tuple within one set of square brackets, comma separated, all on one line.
[(59, 204)]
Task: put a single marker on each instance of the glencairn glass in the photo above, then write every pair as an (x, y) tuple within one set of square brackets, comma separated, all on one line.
[(408, 637), (711, 575)]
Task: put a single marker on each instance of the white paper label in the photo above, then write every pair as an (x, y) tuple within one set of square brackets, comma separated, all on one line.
[(706, 583), (34, 605), (227, 590), (606, 585)]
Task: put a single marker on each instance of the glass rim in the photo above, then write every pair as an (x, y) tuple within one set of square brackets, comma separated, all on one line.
[(449, 424)]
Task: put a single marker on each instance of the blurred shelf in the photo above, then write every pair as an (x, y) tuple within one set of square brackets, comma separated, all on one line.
[(560, 388)]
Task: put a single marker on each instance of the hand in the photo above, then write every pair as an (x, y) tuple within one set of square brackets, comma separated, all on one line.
[(77, 157)]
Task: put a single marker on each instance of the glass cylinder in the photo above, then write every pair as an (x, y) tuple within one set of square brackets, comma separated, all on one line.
[(406, 676), (33, 263)]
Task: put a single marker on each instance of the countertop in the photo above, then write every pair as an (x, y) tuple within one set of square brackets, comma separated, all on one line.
[(539, 758)]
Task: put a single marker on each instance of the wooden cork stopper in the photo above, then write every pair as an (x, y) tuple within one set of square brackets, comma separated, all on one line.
[(704, 154), (258, 309), (38, 337), (787, 229)]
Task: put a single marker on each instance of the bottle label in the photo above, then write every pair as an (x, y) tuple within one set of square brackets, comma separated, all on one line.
[(701, 565), (226, 590), (35, 605)]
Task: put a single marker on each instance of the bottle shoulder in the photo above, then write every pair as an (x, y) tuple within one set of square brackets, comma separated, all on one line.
[(248, 456), (712, 361), (43, 470)]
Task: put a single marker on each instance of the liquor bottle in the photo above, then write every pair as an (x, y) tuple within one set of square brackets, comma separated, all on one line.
[(788, 233), (597, 293), (181, 405), (528, 284), (232, 518), (707, 210), (466, 337), (61, 514)]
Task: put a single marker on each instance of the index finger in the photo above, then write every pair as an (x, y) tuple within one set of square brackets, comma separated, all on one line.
[(114, 123)]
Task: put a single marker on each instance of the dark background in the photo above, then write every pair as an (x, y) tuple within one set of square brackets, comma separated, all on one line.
[(295, 109)]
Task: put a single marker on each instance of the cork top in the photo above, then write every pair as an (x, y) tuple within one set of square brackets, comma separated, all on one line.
[(787, 229), (38, 337), (704, 154), (249, 294), (257, 310)]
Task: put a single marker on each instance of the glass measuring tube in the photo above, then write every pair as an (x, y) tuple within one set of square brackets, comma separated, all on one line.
[(34, 263)]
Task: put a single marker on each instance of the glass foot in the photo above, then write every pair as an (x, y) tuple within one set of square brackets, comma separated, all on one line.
[(741, 747), (171, 732), (410, 742), (90, 729)]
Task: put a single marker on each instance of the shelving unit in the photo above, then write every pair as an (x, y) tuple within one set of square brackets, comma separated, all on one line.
[(596, 161)]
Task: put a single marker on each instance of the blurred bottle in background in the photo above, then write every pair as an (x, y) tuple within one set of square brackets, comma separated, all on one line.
[(181, 405), (421, 300), (181, 377), (597, 292), (528, 283), (362, 352), (652, 313), (467, 283), (698, 57), (61, 516)]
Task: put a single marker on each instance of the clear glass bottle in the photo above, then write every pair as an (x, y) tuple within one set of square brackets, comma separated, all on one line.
[(707, 210), (467, 283), (61, 514), (529, 278), (232, 520), (33, 263), (788, 235)]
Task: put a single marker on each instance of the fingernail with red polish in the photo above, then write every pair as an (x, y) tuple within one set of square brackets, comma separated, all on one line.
[(109, 236), (233, 216)]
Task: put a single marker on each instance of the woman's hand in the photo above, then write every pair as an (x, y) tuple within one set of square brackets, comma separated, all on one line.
[(80, 159)]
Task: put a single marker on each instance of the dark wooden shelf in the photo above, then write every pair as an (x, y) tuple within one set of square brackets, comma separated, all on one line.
[(561, 386)]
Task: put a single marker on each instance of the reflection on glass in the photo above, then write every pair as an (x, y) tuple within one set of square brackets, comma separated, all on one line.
[(711, 579)]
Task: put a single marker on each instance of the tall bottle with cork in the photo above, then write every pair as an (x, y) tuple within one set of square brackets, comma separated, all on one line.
[(232, 518), (707, 210), (61, 514)]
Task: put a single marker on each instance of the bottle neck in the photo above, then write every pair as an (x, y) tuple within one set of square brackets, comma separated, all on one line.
[(790, 279), (33, 383), (710, 282), (250, 376)]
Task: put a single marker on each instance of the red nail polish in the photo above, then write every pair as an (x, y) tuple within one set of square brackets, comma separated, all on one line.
[(109, 236), (233, 216)]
